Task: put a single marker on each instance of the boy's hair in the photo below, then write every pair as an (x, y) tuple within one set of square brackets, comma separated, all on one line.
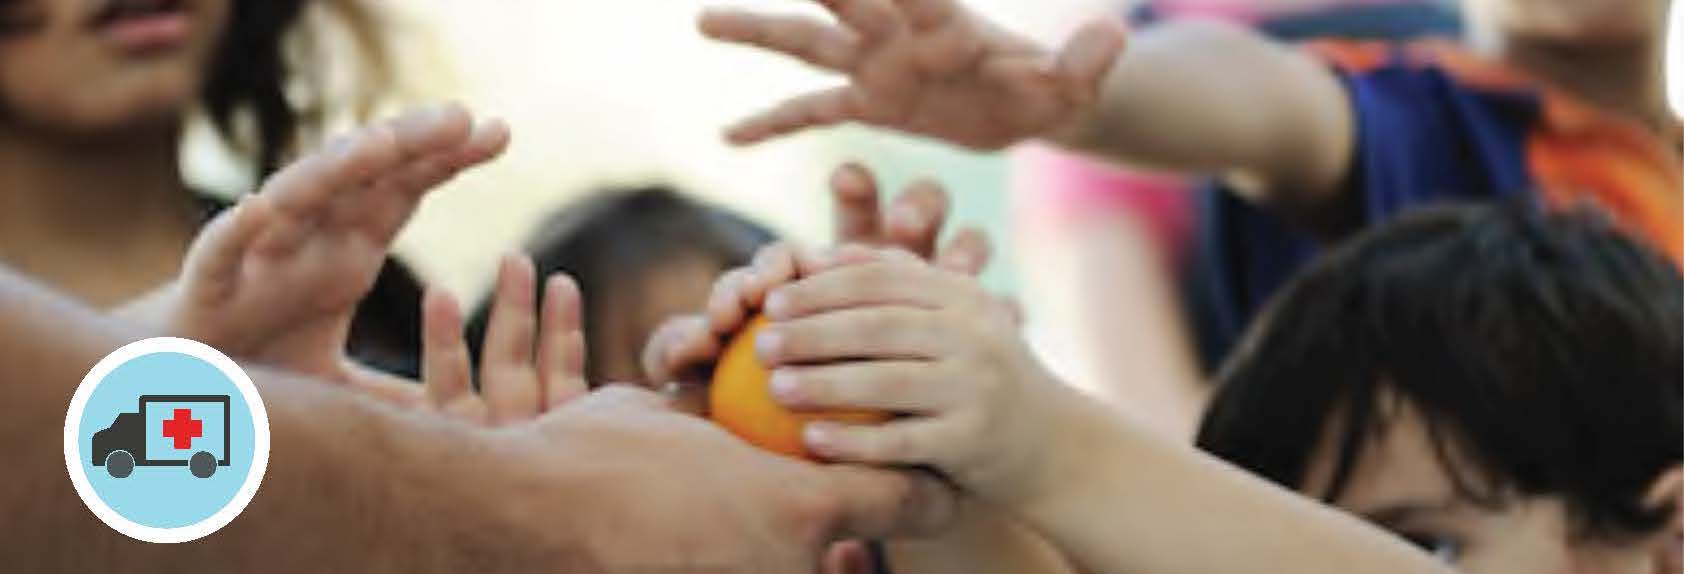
[(615, 240), (1543, 350)]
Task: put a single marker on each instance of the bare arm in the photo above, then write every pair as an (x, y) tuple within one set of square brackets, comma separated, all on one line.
[(329, 498), (1131, 502), (355, 485), (1184, 96), (1209, 97)]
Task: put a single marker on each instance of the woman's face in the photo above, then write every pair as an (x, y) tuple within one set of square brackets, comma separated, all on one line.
[(1400, 484), (91, 68), (1570, 21)]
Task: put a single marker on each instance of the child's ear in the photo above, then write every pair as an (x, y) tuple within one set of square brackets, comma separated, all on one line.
[(1668, 545)]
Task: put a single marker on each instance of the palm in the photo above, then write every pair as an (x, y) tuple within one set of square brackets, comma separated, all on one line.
[(278, 277), (924, 66)]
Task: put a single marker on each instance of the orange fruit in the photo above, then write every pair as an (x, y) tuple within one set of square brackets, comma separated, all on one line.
[(741, 401)]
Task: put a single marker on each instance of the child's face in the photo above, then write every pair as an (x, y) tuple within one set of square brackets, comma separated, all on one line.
[(1400, 484), (678, 287), (1569, 21), (86, 68)]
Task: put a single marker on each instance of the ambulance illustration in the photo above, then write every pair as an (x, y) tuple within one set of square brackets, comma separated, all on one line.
[(168, 430)]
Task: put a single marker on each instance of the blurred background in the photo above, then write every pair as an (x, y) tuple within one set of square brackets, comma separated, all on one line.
[(627, 92)]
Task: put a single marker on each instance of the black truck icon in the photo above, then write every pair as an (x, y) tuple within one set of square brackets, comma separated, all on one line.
[(123, 446)]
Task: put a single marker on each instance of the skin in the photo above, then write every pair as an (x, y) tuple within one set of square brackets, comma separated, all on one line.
[(568, 461), (871, 329), (94, 202), (1196, 97), (1402, 485)]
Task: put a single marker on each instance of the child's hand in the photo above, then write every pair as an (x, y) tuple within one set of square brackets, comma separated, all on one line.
[(893, 333), (532, 362), (929, 67), (277, 278), (682, 346)]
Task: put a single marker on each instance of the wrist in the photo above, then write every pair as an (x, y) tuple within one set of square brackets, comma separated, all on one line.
[(1076, 453)]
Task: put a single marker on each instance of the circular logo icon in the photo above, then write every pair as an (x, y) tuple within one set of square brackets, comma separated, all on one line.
[(166, 440)]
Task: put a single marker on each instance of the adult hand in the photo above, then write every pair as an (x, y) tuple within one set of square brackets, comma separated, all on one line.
[(675, 493)]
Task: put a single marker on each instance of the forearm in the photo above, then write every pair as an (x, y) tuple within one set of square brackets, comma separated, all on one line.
[(1132, 502), (352, 485), (1207, 97)]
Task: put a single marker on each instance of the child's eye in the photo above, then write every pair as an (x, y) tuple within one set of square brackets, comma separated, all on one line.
[(1445, 548)]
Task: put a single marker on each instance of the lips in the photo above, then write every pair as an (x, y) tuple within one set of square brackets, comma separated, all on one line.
[(116, 12), (141, 26)]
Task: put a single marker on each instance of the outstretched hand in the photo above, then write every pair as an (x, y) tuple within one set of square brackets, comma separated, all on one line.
[(928, 67), (277, 278), (533, 361)]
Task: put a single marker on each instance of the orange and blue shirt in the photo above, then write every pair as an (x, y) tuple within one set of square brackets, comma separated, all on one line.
[(1434, 124)]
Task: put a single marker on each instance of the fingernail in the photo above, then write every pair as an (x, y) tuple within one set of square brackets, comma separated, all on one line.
[(907, 217), (777, 304), (768, 344), (785, 389), (818, 436)]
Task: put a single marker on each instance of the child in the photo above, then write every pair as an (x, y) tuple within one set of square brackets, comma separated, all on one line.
[(1499, 387), (1512, 381), (1564, 97), (639, 255)]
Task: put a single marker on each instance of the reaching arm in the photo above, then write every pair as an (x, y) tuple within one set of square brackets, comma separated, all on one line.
[(1142, 504), (356, 485), (1215, 98), (329, 498), (1185, 96)]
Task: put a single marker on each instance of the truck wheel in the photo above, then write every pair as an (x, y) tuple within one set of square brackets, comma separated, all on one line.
[(119, 464), (203, 464)]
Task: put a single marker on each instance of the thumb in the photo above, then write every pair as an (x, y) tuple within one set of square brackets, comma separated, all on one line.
[(881, 503), (1089, 55)]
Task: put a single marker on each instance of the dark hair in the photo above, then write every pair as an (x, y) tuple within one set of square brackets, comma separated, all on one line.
[(1543, 350), (614, 240), (250, 74)]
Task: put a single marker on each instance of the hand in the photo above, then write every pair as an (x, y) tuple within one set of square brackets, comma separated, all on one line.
[(686, 495), (533, 362), (682, 346), (277, 278), (893, 333), (928, 67)]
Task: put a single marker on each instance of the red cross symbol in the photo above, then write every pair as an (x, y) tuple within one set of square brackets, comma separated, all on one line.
[(183, 428)]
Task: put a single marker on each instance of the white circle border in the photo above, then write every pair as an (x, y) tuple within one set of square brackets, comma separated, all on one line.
[(73, 447)]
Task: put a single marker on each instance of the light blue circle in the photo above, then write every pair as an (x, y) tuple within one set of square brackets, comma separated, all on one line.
[(169, 496)]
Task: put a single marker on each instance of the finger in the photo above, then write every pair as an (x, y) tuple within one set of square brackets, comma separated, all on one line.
[(879, 504), (848, 557), (884, 333), (773, 265), (213, 263), (812, 41), (445, 367), (508, 380), (858, 212), (309, 186), (679, 348), (895, 386), (916, 217), (927, 14), (431, 129), (871, 19), (727, 307), (875, 283), (905, 442), (1089, 55), (816, 109), (561, 342), (967, 253)]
